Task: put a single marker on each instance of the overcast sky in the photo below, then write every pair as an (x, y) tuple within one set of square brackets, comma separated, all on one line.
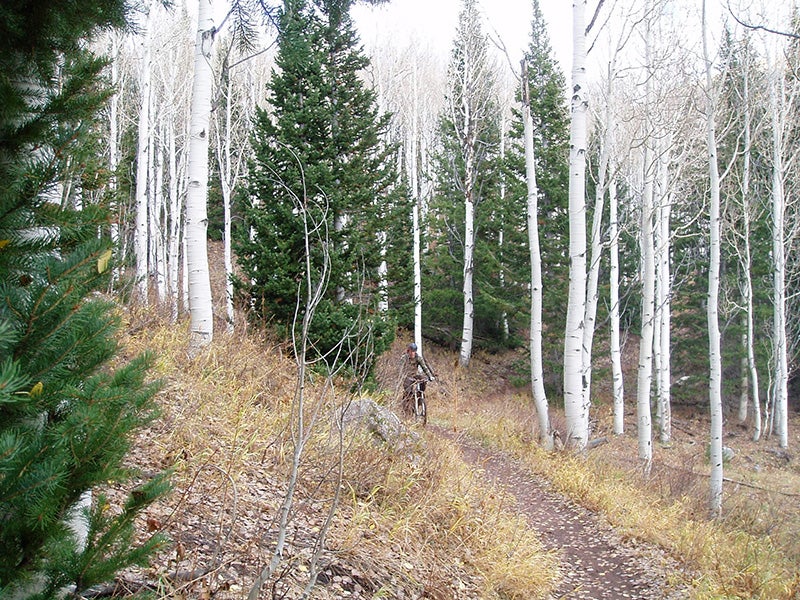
[(433, 23)]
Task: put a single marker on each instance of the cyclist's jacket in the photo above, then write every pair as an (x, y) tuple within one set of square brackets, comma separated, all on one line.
[(412, 365)]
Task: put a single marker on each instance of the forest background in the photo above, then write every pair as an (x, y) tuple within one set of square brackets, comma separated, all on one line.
[(356, 190)]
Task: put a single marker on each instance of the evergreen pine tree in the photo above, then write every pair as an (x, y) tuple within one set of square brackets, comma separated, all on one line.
[(66, 419), (742, 62), (319, 147), (550, 115), (468, 131)]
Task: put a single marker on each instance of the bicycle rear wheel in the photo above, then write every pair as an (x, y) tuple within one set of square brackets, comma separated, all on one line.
[(420, 408)]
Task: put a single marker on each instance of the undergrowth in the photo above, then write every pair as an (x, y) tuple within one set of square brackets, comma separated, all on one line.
[(747, 554), (408, 522)]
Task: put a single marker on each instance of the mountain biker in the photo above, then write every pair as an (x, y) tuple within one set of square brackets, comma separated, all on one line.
[(412, 364)]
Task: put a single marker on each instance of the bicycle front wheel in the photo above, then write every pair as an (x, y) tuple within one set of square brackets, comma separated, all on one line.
[(421, 410)]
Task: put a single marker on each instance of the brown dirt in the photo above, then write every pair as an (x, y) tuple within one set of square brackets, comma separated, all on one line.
[(218, 544), (595, 562)]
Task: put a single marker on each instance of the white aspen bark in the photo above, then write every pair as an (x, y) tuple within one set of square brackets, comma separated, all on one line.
[(175, 210), (161, 233), (779, 267), (185, 267), (663, 291), (140, 243), (647, 271), (714, 352), (465, 353), (593, 276), (113, 153), (575, 411), (417, 276), (415, 196), (383, 275), (645, 373), (468, 137), (537, 370), (227, 178), (200, 304), (501, 234), (616, 352), (750, 382), (382, 237), (744, 392), (183, 191), (154, 240)]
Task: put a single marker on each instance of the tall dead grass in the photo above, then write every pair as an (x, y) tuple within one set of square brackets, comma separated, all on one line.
[(749, 554), (408, 522)]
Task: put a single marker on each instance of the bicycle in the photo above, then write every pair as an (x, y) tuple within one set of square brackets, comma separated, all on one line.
[(415, 404)]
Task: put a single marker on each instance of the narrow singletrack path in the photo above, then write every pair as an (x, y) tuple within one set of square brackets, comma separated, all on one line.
[(595, 562)]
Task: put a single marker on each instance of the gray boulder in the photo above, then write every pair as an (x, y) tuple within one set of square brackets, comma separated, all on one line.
[(379, 422)]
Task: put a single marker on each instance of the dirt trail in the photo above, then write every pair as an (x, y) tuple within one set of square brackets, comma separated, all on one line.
[(596, 563)]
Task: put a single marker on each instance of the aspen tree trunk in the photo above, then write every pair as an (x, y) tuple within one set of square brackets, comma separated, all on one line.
[(381, 236), (663, 291), (469, 268), (575, 411), (714, 356), (744, 392), (140, 241), (592, 293), (229, 173), (154, 240), (200, 305), (501, 234), (537, 370), (415, 195), (750, 382), (647, 271), (779, 266), (468, 133), (616, 352), (645, 375), (175, 210), (185, 267), (113, 153), (159, 219), (227, 211)]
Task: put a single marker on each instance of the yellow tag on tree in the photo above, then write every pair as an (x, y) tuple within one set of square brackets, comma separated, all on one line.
[(102, 261), (36, 390)]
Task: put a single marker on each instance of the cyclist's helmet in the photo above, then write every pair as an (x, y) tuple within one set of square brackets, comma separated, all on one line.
[(412, 346)]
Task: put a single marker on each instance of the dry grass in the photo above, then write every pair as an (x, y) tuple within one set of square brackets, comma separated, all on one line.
[(422, 523), (753, 552), (447, 525), (408, 523)]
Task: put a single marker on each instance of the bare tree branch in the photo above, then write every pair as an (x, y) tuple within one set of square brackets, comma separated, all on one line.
[(594, 16), (760, 27)]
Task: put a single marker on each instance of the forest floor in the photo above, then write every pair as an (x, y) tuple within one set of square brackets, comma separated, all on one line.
[(594, 559), (224, 432), (473, 513), (599, 559)]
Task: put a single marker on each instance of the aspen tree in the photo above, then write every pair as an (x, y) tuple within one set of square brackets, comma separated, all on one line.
[(714, 352), (200, 305), (779, 342), (537, 371), (141, 241), (575, 409)]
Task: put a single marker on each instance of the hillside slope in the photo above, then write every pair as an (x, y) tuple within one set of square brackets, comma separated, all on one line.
[(419, 519)]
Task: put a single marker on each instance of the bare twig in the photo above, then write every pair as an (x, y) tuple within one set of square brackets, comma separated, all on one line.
[(760, 27)]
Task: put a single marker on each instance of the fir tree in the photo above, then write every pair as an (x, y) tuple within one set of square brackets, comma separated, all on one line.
[(466, 171), (743, 81), (318, 148), (66, 419)]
